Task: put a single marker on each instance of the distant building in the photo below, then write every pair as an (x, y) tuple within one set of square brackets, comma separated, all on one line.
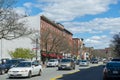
[(77, 47)]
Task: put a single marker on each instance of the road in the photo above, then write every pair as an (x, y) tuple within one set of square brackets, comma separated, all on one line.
[(92, 73), (80, 73)]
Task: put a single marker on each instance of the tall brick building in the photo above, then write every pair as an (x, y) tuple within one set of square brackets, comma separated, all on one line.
[(54, 37), (77, 47)]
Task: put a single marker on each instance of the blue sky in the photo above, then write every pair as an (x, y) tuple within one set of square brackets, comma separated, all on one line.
[(96, 21)]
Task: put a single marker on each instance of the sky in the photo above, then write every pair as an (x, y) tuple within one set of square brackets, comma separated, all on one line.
[(96, 21)]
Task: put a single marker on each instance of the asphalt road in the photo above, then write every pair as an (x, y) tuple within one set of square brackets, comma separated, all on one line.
[(92, 73)]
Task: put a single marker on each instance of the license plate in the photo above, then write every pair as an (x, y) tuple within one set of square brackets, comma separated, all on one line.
[(115, 72)]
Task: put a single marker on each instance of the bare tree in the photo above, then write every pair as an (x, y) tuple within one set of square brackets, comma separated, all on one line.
[(45, 39), (51, 41), (10, 25), (116, 43)]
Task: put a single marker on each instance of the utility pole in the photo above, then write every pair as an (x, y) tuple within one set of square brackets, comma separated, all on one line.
[(36, 47)]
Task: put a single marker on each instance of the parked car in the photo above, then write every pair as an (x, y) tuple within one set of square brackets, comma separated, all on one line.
[(83, 63), (25, 69), (66, 64), (4, 60), (111, 70), (94, 60), (105, 61), (2, 69), (11, 63), (77, 62), (52, 63), (115, 59)]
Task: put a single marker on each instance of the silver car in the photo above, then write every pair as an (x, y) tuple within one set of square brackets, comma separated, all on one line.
[(66, 64)]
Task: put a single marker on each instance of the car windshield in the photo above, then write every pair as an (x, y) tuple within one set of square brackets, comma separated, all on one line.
[(83, 61), (24, 64), (51, 60), (65, 60)]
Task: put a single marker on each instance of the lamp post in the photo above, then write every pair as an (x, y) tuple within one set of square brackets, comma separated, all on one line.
[(36, 47), (37, 42)]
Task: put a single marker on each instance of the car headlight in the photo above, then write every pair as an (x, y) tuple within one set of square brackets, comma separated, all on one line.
[(24, 71)]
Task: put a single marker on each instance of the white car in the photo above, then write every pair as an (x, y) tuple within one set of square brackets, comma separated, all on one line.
[(83, 63), (25, 69), (52, 63)]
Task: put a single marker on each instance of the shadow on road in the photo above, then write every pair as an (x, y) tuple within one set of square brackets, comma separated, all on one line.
[(14, 78), (93, 73)]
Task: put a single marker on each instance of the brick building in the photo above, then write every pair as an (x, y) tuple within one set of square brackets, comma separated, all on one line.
[(77, 47), (54, 37)]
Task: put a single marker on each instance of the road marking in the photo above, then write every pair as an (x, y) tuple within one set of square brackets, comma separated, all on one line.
[(60, 76), (56, 77), (73, 72)]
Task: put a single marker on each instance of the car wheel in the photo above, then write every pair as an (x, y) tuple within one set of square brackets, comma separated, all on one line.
[(39, 74), (29, 74), (74, 68), (10, 77), (2, 72), (59, 68)]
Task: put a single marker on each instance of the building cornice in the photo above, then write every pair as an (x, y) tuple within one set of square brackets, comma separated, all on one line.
[(55, 24)]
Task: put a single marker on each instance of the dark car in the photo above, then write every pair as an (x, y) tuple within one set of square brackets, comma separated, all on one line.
[(77, 62), (111, 70), (94, 61), (4, 60), (66, 64), (2, 69), (2, 66), (11, 63), (115, 59)]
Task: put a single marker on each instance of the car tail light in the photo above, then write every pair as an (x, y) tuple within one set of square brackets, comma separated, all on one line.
[(106, 70)]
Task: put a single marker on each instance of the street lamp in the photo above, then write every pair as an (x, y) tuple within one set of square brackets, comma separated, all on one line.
[(36, 47), (37, 42)]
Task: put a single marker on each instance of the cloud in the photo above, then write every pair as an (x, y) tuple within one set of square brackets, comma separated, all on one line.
[(20, 10), (67, 10), (98, 41), (28, 4), (97, 25)]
